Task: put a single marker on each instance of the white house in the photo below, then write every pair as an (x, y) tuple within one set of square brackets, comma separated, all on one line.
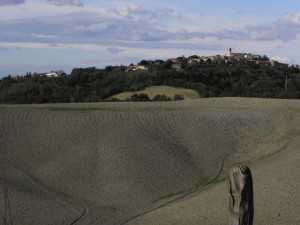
[(51, 74)]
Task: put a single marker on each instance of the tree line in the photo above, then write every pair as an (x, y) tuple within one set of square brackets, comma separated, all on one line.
[(208, 79)]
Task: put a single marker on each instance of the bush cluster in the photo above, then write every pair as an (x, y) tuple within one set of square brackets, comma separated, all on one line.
[(145, 98)]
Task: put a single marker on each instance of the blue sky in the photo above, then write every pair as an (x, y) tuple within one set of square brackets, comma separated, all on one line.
[(45, 35)]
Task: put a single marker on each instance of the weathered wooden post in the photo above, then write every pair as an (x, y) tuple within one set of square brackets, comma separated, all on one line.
[(241, 208)]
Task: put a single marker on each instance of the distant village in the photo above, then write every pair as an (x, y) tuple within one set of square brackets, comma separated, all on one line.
[(229, 59), (35, 74), (181, 63)]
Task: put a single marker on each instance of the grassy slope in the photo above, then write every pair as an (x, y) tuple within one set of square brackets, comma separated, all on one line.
[(108, 162), (160, 90)]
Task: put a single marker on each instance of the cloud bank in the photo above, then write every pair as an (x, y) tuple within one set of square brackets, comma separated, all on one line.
[(114, 50), (132, 10), (132, 23), (66, 2), (11, 2), (285, 28)]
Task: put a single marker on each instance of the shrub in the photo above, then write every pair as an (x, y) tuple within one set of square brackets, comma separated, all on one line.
[(161, 98), (140, 98), (178, 97)]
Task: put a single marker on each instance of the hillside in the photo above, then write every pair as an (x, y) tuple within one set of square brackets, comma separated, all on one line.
[(208, 79), (107, 163)]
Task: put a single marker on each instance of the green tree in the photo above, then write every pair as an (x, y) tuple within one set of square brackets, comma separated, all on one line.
[(140, 98), (161, 98), (178, 97)]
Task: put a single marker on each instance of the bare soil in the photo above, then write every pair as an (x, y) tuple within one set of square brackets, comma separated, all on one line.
[(146, 163)]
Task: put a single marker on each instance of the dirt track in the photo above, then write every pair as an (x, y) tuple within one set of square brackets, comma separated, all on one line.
[(124, 159)]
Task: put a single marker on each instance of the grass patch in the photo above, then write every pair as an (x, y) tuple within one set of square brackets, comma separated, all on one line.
[(159, 90)]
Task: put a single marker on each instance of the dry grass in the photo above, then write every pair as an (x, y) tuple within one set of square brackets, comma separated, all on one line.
[(105, 163), (160, 90)]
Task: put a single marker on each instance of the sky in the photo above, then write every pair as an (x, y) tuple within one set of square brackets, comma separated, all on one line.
[(46, 35)]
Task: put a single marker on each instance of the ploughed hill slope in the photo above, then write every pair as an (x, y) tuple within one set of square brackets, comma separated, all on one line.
[(108, 163)]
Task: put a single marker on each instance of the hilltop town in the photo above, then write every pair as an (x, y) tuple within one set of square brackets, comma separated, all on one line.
[(230, 58), (182, 63)]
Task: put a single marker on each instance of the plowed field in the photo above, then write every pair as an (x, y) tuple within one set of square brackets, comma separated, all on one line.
[(141, 163)]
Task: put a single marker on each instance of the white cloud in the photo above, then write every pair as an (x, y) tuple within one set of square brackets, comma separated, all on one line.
[(93, 27), (66, 2), (285, 28), (11, 2), (98, 28), (85, 28), (291, 19), (114, 50), (282, 59), (43, 36), (130, 11)]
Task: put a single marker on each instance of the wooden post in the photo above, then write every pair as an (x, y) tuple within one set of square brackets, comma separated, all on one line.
[(241, 208), (286, 83)]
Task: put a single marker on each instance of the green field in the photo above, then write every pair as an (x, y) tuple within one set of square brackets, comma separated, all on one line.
[(160, 90), (147, 163)]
